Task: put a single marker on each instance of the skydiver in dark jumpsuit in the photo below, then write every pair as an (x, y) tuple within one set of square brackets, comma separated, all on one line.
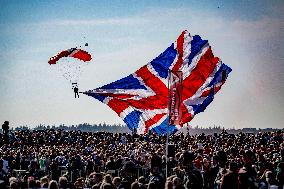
[(76, 91)]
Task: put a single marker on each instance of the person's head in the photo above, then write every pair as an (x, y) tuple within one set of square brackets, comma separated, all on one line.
[(53, 185), (12, 179), (77, 184), (156, 162), (206, 163), (152, 185), (98, 177), (269, 177), (188, 157), (135, 185), (5, 125), (107, 178), (233, 167), (248, 157), (155, 169), (169, 185), (38, 184), (62, 182), (106, 186), (222, 157), (176, 181), (214, 160), (44, 182), (33, 165), (141, 180), (14, 185), (116, 181), (31, 183)]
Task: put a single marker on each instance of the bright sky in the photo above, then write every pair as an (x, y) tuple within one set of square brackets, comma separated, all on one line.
[(125, 35)]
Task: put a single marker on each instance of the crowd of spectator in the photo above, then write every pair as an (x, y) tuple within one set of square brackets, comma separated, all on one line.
[(74, 159)]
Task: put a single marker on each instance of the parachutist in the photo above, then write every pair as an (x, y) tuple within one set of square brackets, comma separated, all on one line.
[(76, 91)]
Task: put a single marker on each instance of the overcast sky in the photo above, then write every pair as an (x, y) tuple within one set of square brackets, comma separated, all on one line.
[(125, 35)]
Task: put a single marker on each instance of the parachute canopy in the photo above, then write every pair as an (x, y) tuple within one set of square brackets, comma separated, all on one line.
[(73, 52)]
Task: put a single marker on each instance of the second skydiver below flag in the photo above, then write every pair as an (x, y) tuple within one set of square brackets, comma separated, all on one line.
[(142, 99)]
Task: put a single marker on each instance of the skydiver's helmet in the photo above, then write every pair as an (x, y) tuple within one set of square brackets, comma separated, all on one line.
[(74, 85)]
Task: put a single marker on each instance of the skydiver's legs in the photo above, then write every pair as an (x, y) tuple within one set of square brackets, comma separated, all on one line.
[(76, 94)]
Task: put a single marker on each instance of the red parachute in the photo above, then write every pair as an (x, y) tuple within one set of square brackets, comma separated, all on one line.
[(73, 52)]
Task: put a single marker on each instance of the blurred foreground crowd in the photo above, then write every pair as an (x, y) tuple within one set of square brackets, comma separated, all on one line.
[(75, 159)]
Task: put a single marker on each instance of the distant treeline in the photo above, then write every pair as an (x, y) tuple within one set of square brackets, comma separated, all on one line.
[(118, 128), (85, 127)]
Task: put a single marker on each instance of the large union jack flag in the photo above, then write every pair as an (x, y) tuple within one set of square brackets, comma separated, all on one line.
[(141, 99)]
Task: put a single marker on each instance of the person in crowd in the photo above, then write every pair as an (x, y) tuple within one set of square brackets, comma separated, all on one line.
[(135, 185), (156, 176), (169, 184), (110, 164), (98, 177), (14, 185), (44, 182), (193, 175), (53, 185), (221, 167), (117, 183), (208, 174), (177, 183), (280, 175), (142, 182), (107, 179), (247, 174), (3, 175), (5, 128), (152, 185), (63, 182), (106, 186), (230, 179)]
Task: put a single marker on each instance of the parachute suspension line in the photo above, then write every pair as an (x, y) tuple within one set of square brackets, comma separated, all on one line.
[(71, 69), (62, 69)]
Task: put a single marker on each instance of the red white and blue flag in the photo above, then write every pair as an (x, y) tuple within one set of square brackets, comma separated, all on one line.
[(142, 98)]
